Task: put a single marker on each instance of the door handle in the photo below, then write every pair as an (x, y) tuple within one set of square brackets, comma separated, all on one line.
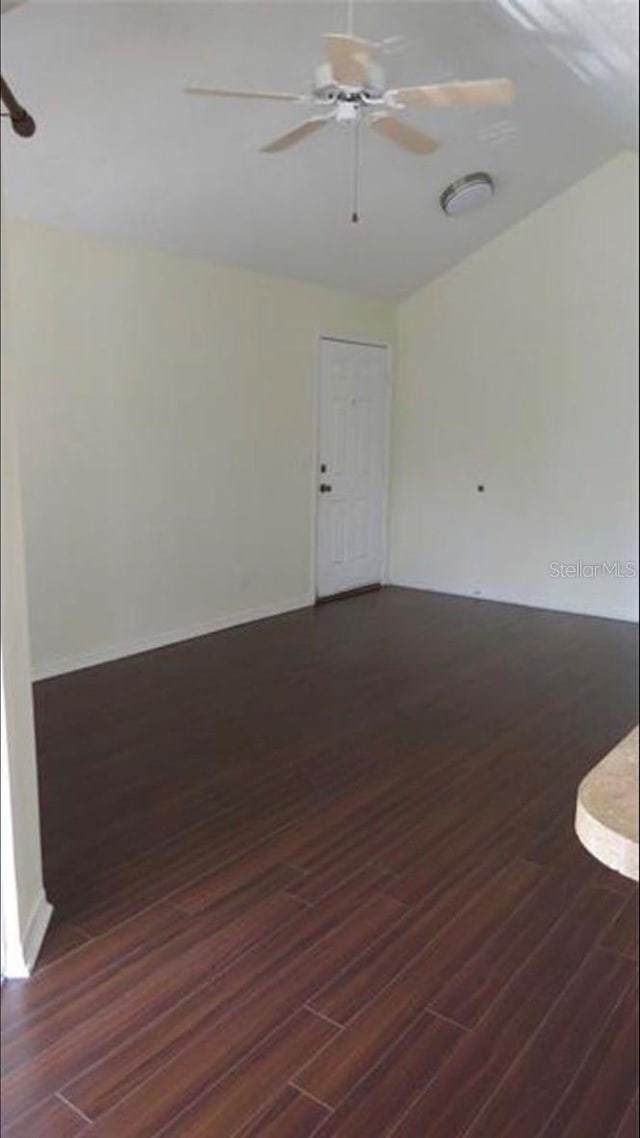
[(325, 488)]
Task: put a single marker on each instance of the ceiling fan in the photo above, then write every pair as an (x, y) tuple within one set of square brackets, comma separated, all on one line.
[(349, 87)]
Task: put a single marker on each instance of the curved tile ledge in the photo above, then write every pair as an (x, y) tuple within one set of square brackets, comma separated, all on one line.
[(607, 809)]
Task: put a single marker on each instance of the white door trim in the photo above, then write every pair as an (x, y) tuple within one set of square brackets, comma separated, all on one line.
[(365, 342)]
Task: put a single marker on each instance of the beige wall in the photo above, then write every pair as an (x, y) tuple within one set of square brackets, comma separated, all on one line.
[(166, 411), (518, 370), (25, 911)]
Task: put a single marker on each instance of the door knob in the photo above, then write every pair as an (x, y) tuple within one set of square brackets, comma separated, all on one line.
[(325, 488)]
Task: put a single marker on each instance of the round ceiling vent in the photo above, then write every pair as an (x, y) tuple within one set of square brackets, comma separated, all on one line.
[(466, 194)]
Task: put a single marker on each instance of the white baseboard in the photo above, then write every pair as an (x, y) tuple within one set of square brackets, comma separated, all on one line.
[(544, 605), (21, 957), (174, 636), (36, 930)]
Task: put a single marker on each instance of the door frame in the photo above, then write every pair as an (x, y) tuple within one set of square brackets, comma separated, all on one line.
[(364, 342)]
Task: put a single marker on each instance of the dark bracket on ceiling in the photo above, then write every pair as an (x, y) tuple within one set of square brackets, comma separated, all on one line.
[(21, 120)]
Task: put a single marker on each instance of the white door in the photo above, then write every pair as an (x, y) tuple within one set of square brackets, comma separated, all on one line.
[(353, 408)]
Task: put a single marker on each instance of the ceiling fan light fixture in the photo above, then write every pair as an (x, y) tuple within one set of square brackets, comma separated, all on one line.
[(467, 193)]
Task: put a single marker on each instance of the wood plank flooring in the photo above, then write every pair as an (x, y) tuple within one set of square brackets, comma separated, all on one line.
[(317, 876)]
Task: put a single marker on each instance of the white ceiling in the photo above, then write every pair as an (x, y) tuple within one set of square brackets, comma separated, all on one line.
[(120, 152)]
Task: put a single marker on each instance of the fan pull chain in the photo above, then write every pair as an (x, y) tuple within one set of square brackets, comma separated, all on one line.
[(355, 216)]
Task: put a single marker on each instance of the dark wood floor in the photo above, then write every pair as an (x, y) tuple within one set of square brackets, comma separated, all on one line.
[(317, 876)]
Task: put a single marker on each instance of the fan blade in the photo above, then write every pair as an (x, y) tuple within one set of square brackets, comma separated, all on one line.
[(480, 93), (225, 94), (349, 59), (406, 136), (295, 136)]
